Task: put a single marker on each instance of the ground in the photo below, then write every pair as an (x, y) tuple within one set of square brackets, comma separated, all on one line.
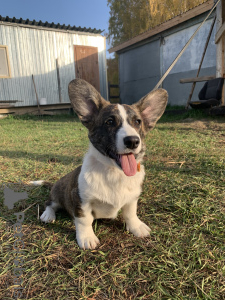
[(183, 201), (203, 124)]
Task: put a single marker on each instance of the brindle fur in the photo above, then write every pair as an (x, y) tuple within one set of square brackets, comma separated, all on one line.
[(65, 193)]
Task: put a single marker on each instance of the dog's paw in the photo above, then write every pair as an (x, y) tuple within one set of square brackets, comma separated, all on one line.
[(48, 215), (87, 241), (139, 229)]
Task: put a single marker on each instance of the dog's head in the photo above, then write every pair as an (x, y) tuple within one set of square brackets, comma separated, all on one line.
[(117, 131)]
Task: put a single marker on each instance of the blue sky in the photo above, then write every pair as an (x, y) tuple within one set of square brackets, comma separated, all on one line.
[(84, 13)]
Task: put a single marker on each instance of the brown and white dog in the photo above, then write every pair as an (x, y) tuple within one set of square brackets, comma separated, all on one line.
[(111, 176)]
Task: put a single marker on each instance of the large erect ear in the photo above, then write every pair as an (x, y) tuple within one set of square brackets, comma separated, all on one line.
[(152, 106), (86, 100)]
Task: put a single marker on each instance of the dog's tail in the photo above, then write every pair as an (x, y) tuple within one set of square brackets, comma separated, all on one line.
[(43, 183)]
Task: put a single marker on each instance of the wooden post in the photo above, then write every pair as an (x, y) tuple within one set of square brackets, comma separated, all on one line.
[(200, 65), (58, 78), (36, 92), (220, 43)]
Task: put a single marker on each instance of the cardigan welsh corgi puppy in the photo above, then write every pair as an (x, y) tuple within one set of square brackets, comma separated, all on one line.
[(111, 176)]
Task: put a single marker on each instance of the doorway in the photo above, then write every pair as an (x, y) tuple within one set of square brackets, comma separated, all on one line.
[(86, 64)]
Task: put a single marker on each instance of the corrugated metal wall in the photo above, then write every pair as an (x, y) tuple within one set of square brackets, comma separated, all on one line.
[(34, 51)]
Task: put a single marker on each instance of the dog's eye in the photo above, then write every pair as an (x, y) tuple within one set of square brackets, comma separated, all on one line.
[(138, 122), (109, 122)]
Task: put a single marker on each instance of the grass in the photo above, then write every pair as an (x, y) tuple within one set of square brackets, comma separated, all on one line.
[(182, 201)]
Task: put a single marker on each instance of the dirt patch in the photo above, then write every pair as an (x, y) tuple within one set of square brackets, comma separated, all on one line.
[(217, 125)]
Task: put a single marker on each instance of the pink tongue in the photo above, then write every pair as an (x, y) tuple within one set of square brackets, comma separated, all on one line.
[(128, 164)]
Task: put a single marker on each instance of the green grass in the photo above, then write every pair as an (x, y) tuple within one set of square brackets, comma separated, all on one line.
[(183, 201)]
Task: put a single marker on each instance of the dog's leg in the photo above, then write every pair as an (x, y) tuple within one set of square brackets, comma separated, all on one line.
[(86, 238), (133, 223), (48, 215)]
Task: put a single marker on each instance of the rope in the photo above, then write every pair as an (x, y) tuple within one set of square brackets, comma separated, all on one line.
[(185, 47)]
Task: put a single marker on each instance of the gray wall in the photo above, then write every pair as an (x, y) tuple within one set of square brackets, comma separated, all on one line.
[(142, 66), (139, 71)]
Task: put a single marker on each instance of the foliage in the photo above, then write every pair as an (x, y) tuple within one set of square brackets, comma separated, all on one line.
[(129, 18), (112, 70), (113, 76), (164, 10)]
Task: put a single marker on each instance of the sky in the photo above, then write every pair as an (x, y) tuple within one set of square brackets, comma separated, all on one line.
[(84, 13)]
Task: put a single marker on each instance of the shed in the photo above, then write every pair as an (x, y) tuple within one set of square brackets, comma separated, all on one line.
[(54, 54), (145, 58)]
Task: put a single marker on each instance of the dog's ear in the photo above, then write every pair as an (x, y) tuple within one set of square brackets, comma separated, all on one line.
[(86, 100), (152, 106)]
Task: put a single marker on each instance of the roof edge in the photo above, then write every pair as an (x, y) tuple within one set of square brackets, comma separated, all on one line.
[(45, 25), (196, 11)]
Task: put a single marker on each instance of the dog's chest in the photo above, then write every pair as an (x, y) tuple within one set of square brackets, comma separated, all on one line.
[(107, 188)]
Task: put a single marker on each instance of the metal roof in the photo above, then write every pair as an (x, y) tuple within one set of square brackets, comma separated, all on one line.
[(48, 25)]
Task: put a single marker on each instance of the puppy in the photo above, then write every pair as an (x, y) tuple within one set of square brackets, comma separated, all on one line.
[(111, 176)]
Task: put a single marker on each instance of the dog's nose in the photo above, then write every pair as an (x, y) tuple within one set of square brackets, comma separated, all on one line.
[(131, 142)]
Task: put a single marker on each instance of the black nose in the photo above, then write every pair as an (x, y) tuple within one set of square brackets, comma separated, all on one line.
[(131, 142)]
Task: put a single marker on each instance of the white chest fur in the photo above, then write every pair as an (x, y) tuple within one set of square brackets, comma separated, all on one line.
[(105, 186)]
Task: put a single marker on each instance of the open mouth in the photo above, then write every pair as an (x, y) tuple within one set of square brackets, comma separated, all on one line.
[(126, 162)]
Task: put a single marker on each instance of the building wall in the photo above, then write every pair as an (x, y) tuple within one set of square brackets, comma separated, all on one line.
[(139, 71), (187, 65), (142, 66), (34, 51)]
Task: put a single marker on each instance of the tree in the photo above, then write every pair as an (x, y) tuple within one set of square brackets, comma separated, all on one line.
[(164, 10), (129, 18), (113, 76), (112, 73)]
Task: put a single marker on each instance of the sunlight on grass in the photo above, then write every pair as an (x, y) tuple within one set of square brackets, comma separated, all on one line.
[(182, 201)]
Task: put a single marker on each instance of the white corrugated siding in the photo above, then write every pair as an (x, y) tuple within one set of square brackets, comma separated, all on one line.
[(34, 51)]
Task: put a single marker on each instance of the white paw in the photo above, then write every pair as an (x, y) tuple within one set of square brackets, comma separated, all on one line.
[(139, 229), (87, 241), (48, 215)]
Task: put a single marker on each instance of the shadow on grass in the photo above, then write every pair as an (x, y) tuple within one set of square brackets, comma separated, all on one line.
[(192, 126), (179, 113), (63, 225), (46, 158), (72, 117)]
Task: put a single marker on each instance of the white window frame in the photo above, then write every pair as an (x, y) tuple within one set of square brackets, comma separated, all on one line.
[(6, 57)]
